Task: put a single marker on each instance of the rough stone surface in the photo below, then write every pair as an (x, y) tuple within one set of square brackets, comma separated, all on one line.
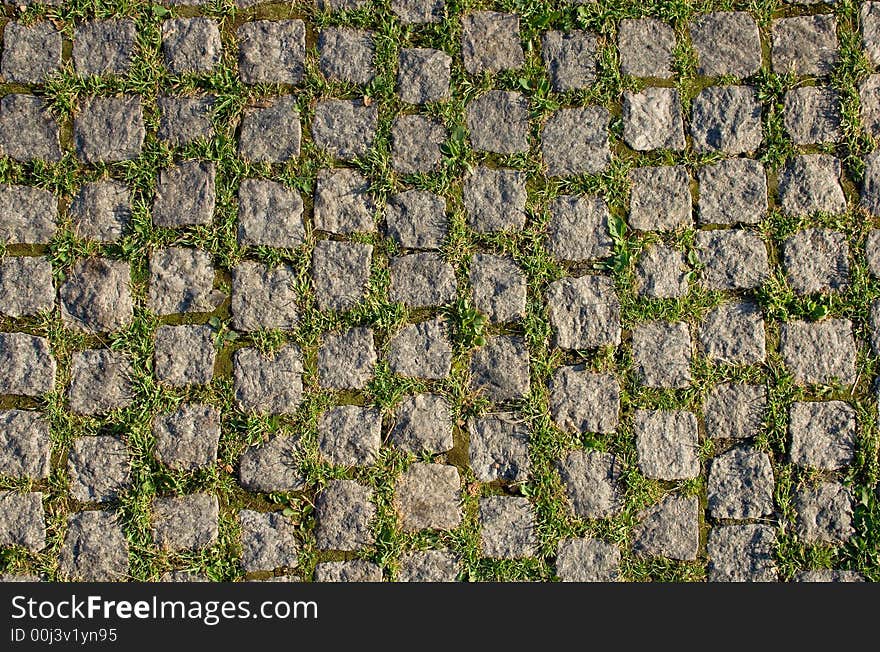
[(108, 129), (661, 273), (734, 411), (269, 215), (726, 43), (828, 575), (271, 132), (666, 444), (268, 384), (582, 401), (104, 47), (185, 194), (740, 485), (490, 42), (421, 280), (423, 75), (96, 296), (30, 52), (872, 251), (824, 513), (570, 59), (584, 311), (733, 333), (423, 423), (592, 483), (819, 352), (498, 287), (810, 183), (812, 115), (182, 281), (421, 350), (184, 120), (27, 366), (670, 529), (101, 211), (98, 468), (652, 120), (185, 522), (346, 359), (346, 54), (742, 553), (499, 370), (499, 448), (587, 560), (507, 528), (345, 514), (271, 51), (28, 131), (345, 128), (870, 19), (578, 228), (25, 286), (646, 46), (343, 203), (416, 143), (191, 45), (816, 260), (22, 520), (340, 272), (726, 119), (428, 566), (263, 297), (870, 194), (416, 219), (498, 122), (805, 45), (187, 439), (662, 354), (355, 570), (25, 446), (100, 381), (271, 467), (733, 191), (575, 141), (29, 215), (495, 199), (268, 541), (869, 96), (660, 199), (823, 434), (418, 11), (427, 497), (94, 548), (732, 259), (350, 435)]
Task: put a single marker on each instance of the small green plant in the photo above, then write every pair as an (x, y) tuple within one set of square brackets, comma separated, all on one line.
[(469, 323)]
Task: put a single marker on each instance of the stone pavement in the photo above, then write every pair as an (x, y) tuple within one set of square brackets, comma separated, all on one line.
[(413, 290)]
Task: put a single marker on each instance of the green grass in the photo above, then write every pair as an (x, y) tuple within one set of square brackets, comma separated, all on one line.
[(66, 91)]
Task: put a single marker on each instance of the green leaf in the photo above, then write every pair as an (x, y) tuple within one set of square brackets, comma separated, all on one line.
[(160, 12), (288, 511)]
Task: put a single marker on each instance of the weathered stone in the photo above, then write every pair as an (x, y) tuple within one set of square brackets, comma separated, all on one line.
[(104, 47), (270, 132), (810, 183), (354, 570), (346, 54), (345, 514), (29, 215), (490, 42), (423, 423), (727, 119), (25, 286), (182, 281), (263, 297), (340, 273), (187, 439), (423, 75), (652, 120), (578, 229), (271, 467), (22, 520), (271, 51), (570, 59), (585, 312), (28, 131), (185, 119), (191, 45), (95, 548), (416, 219), (805, 45), (733, 191), (346, 359), (869, 96), (872, 251), (185, 522), (269, 215), (670, 529), (100, 381), (428, 566), (499, 448), (870, 21), (185, 194), (108, 129), (819, 352), (350, 435), (740, 485), (592, 483), (662, 353), (416, 144), (870, 194), (732, 259), (495, 200), (587, 560), (30, 52), (646, 46), (816, 260), (726, 43), (734, 411), (498, 287), (823, 434), (101, 211), (343, 203), (498, 122), (418, 11), (421, 280), (507, 528), (268, 541), (667, 444), (427, 497), (421, 350), (660, 199), (824, 513), (96, 296), (98, 469), (812, 115), (661, 273), (582, 401), (345, 128), (575, 141), (742, 553), (25, 445), (499, 370), (826, 574), (268, 384), (27, 367), (733, 333)]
